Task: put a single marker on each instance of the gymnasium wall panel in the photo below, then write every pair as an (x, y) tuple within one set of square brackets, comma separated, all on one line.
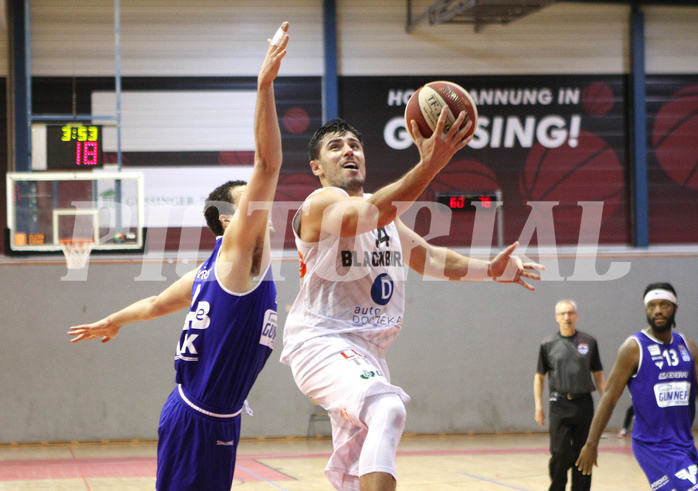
[(671, 40), (163, 38), (562, 38), (218, 37)]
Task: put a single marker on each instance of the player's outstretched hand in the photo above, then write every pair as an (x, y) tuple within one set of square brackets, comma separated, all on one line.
[(100, 329), (505, 268), (275, 53), (587, 459)]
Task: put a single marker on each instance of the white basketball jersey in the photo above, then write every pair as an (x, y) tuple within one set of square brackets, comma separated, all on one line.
[(348, 285)]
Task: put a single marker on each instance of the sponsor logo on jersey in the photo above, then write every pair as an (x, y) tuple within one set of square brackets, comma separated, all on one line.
[(384, 258), (685, 356), (268, 336), (197, 319), (671, 394), (371, 258), (368, 370), (357, 359), (656, 355), (382, 289), (367, 374), (351, 354), (364, 316), (659, 482), (688, 474), (679, 375), (583, 348), (186, 345)]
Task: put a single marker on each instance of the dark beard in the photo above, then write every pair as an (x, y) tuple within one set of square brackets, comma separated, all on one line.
[(660, 329), (348, 184), (354, 184)]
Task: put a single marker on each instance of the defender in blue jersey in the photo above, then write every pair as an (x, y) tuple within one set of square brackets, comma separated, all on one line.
[(659, 367), (230, 329)]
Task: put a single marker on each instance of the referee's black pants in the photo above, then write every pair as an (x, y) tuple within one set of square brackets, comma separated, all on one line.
[(569, 426)]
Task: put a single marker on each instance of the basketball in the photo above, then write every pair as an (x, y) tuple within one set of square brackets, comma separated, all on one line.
[(425, 107)]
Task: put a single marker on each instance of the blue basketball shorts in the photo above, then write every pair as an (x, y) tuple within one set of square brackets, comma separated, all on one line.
[(196, 451), (668, 467)]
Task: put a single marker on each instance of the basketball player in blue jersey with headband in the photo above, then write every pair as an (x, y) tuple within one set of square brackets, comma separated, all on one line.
[(659, 367), (230, 329)]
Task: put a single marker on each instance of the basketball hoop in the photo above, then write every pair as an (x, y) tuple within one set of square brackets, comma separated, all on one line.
[(77, 252)]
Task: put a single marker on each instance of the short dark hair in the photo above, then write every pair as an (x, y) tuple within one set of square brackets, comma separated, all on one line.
[(220, 202), (339, 126), (659, 286)]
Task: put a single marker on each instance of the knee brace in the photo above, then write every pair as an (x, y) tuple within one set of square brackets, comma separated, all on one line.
[(384, 415)]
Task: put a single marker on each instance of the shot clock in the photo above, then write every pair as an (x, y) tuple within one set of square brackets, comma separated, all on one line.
[(469, 201), (73, 147)]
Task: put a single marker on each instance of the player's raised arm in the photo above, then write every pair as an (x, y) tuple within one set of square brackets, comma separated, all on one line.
[(339, 162), (173, 299), (248, 226), (435, 153)]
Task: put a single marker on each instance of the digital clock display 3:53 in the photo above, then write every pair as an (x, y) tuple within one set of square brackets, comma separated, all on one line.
[(73, 147)]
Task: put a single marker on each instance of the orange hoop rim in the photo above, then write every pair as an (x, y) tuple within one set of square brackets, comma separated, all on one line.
[(77, 252), (75, 241)]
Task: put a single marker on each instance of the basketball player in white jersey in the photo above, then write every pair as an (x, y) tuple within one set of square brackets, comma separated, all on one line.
[(353, 251)]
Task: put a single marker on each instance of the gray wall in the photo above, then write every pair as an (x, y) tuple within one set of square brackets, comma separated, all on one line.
[(467, 353)]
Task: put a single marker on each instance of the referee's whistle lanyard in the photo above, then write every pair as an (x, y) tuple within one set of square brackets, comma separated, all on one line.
[(568, 342)]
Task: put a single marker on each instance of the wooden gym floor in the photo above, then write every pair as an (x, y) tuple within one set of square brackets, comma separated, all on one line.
[(425, 463)]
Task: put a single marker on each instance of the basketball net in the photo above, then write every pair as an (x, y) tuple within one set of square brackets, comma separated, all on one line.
[(77, 252)]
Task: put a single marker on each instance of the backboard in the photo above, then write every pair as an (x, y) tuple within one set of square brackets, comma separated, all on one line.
[(45, 209)]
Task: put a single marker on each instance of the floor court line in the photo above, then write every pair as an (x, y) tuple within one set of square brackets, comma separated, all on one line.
[(492, 482), (38, 469), (259, 477), (87, 485), (145, 466), (425, 463)]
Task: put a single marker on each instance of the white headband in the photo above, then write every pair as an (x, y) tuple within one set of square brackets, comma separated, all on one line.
[(660, 295)]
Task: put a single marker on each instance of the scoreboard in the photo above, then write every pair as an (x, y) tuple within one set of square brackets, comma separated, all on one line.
[(73, 147), (469, 201)]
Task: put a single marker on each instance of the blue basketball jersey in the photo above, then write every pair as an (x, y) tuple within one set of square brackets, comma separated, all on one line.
[(226, 340), (663, 391)]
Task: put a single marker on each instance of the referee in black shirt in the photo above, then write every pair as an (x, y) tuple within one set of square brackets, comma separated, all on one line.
[(571, 357)]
